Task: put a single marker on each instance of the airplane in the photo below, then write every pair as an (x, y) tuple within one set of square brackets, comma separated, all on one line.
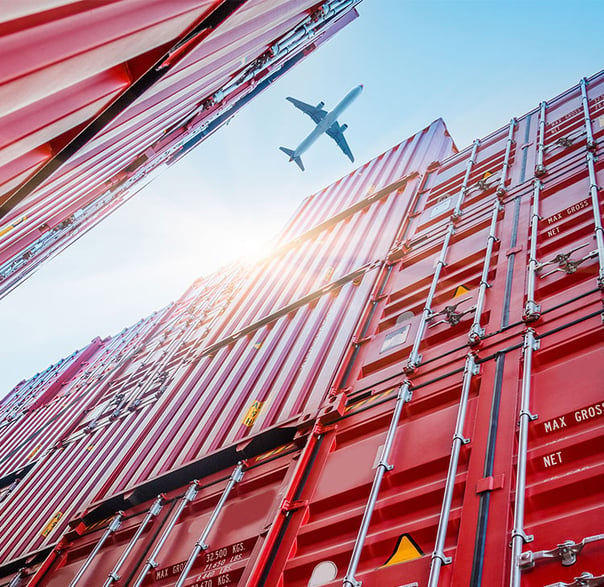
[(326, 123)]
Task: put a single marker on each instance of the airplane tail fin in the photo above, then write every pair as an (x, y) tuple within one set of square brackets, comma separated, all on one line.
[(290, 154)]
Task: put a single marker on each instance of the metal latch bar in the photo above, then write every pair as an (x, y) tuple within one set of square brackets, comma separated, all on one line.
[(566, 553), (583, 580)]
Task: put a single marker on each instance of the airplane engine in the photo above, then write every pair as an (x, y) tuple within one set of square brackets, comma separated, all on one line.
[(343, 127), (320, 105)]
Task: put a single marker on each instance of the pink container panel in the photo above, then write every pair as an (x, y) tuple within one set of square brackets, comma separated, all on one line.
[(272, 377), (117, 365), (60, 483), (26, 394), (234, 543), (225, 57), (112, 137), (42, 426), (92, 41), (320, 258), (98, 418), (430, 145), (35, 125)]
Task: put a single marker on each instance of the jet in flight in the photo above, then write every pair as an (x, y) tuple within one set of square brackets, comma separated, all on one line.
[(326, 123)]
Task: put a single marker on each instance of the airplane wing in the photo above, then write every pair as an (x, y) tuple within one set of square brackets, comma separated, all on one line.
[(336, 132), (315, 112)]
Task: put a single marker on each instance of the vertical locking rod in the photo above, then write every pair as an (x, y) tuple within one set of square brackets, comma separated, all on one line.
[(200, 545), (505, 168), (519, 536), (151, 563), (532, 310), (464, 184), (590, 144), (113, 527), (438, 556), (539, 167), (470, 369), (476, 331), (404, 395), (415, 357), (593, 183), (153, 512), (16, 580)]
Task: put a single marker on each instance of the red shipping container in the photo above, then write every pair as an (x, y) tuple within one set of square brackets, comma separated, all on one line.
[(446, 430), (253, 352), (96, 98)]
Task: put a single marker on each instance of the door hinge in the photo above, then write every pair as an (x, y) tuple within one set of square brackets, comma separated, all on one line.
[(293, 505)]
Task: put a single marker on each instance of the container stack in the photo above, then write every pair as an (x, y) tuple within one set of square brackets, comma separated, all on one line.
[(405, 393), (99, 97)]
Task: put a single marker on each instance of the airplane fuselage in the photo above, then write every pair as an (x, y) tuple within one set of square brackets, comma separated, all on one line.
[(329, 119)]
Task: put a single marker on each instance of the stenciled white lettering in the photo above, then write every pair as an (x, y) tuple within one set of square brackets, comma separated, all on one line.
[(589, 413), (552, 460), (555, 424)]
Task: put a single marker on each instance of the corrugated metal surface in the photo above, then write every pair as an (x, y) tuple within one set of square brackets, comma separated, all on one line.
[(79, 432), (417, 152), (233, 542), (274, 353), (380, 392), (225, 376), (96, 97)]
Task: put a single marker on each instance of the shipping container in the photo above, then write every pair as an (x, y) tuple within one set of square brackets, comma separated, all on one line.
[(239, 354), (406, 393), (98, 98)]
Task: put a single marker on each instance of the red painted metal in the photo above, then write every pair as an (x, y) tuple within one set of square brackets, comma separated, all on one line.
[(407, 405), (95, 98), (231, 359), (72, 433)]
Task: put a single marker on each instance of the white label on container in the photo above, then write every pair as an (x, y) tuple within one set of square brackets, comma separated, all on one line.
[(396, 338), (440, 208), (323, 573)]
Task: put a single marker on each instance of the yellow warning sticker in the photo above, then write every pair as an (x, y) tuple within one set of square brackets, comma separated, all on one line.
[(34, 452), (258, 345), (50, 526), (369, 400), (275, 452), (99, 524), (14, 224), (486, 174), (252, 413), (461, 290), (405, 550)]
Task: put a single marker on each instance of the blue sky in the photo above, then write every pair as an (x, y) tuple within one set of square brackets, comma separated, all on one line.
[(473, 63)]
